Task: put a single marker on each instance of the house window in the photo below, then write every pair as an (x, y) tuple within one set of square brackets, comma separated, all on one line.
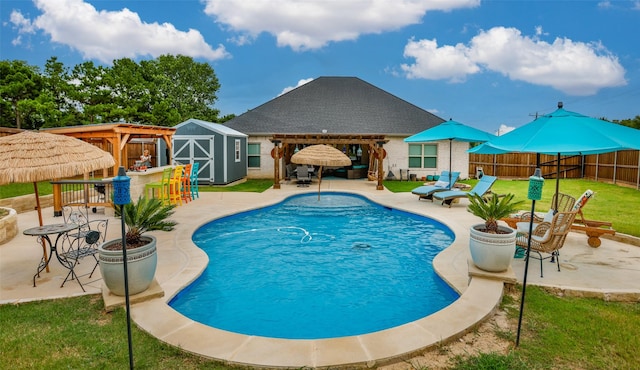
[(253, 155), (423, 156), (237, 150)]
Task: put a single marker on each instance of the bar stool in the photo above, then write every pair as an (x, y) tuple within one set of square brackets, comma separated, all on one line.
[(162, 186), (186, 183), (194, 180), (174, 186)]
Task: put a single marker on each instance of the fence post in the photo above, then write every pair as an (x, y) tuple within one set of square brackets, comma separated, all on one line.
[(638, 172), (615, 166)]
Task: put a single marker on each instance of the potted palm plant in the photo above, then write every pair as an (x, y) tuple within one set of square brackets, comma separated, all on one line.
[(147, 214), (492, 246)]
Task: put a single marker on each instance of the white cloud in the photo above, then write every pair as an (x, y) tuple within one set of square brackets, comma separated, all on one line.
[(435, 63), (503, 129), (109, 35), (576, 68), (300, 83), (312, 24)]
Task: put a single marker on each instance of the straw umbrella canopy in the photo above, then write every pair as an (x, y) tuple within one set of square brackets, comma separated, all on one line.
[(321, 155), (37, 156)]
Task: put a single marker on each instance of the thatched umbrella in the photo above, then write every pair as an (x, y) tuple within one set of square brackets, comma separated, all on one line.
[(321, 155), (36, 156)]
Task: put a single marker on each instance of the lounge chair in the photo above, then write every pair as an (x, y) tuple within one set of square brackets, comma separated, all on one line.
[(443, 183), (593, 229), (482, 188), (548, 237)]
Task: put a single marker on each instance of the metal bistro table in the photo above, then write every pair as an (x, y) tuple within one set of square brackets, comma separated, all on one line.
[(43, 233)]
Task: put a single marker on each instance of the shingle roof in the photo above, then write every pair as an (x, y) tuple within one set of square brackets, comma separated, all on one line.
[(340, 105), (221, 129)]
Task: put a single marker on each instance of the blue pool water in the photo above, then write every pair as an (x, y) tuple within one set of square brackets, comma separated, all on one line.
[(307, 269)]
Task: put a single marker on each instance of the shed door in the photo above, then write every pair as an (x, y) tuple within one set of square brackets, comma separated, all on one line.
[(196, 149)]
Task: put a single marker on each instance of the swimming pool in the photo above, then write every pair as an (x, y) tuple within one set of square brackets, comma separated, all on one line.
[(306, 269)]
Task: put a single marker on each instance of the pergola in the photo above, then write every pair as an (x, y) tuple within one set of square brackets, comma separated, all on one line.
[(284, 142), (113, 137)]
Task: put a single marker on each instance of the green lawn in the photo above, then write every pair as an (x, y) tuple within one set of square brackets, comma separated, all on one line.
[(617, 204), (557, 333)]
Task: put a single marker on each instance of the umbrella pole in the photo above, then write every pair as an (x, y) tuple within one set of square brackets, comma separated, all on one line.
[(555, 206), (319, 181), (450, 141), (44, 247)]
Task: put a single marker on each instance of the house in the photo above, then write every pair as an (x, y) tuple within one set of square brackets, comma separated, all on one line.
[(220, 151), (352, 115)]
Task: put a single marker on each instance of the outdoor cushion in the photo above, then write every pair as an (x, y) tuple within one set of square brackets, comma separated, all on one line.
[(583, 200), (549, 216)]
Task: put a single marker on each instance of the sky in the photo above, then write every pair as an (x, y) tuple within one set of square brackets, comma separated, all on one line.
[(492, 65)]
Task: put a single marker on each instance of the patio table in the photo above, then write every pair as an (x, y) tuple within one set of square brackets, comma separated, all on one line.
[(44, 233)]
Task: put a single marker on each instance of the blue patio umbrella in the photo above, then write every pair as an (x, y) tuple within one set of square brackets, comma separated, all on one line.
[(450, 130), (561, 133), (564, 133)]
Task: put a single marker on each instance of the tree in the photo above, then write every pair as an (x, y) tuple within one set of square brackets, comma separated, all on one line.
[(91, 93), (189, 88), (635, 122), (20, 85), (57, 84)]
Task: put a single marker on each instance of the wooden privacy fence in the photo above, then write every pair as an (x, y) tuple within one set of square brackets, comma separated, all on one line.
[(621, 167)]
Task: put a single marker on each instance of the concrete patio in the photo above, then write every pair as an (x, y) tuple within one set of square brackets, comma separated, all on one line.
[(610, 272)]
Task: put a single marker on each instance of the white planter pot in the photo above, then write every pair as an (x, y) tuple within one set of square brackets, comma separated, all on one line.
[(141, 267), (492, 252)]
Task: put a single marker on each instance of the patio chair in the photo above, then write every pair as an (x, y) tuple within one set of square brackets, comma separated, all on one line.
[(175, 183), (565, 204), (291, 171), (195, 193), (548, 237), (303, 175), (426, 191), (161, 186), (185, 186), (482, 188), (82, 242)]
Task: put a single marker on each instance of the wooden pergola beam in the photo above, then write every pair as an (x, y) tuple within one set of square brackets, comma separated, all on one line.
[(118, 135)]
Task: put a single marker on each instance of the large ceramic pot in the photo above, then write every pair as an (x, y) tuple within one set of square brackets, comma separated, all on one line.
[(492, 252), (141, 266)]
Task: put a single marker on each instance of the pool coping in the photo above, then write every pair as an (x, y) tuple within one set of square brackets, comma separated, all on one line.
[(480, 297)]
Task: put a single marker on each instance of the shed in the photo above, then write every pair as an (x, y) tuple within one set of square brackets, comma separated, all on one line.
[(220, 151)]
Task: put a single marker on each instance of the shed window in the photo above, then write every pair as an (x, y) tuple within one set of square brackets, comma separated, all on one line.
[(253, 155), (423, 156), (237, 150)]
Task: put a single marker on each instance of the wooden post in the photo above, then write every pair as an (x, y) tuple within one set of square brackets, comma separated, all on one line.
[(380, 160), (57, 200), (276, 153)]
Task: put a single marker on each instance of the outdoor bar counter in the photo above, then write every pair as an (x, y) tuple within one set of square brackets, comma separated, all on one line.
[(140, 178)]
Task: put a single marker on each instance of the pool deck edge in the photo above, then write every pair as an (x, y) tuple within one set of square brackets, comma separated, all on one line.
[(479, 299)]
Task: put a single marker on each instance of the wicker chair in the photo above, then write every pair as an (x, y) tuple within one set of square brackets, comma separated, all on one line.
[(565, 204), (548, 237)]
